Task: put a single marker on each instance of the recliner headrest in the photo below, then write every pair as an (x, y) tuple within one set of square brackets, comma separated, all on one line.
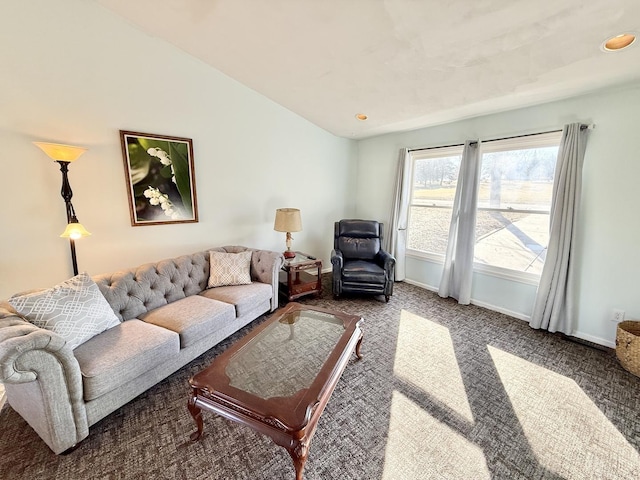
[(359, 228)]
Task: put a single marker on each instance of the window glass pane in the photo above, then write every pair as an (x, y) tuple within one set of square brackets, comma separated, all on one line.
[(435, 176), (428, 229), (517, 241), (517, 179), (434, 181), (514, 200)]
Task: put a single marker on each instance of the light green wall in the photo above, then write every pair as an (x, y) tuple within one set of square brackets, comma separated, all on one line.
[(72, 72), (608, 252)]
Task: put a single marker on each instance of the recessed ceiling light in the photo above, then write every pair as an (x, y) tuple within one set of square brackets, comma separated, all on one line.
[(361, 116), (619, 42)]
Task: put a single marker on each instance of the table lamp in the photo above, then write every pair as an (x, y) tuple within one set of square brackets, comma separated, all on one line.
[(288, 220)]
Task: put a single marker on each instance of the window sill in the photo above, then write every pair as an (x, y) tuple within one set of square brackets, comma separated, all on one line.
[(511, 275)]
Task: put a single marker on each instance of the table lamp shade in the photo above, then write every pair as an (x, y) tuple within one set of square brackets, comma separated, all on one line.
[(288, 220)]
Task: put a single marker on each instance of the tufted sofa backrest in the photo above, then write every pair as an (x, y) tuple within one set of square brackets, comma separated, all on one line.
[(137, 290)]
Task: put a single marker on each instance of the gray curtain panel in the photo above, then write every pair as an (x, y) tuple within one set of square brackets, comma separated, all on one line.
[(458, 262), (554, 307), (396, 240)]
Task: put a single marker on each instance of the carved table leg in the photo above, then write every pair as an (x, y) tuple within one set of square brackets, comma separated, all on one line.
[(196, 413), (299, 453), (358, 354)]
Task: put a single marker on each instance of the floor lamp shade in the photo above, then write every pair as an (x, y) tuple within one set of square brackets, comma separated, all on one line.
[(74, 231), (59, 152), (288, 220)]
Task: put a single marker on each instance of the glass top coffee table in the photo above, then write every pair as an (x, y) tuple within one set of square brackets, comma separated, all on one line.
[(279, 377)]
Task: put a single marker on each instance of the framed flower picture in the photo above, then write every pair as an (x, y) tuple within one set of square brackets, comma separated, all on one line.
[(160, 178)]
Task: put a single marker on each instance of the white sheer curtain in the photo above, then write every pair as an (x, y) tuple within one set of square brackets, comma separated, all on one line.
[(458, 263), (554, 307), (396, 239)]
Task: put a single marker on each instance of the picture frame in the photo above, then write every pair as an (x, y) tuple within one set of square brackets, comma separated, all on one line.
[(160, 178)]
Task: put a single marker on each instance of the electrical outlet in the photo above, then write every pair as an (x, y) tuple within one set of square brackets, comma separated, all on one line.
[(617, 315)]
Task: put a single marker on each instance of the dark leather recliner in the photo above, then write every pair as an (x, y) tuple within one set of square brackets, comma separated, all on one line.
[(360, 265)]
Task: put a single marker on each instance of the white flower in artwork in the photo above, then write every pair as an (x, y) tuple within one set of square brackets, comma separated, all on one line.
[(161, 155), (156, 197)]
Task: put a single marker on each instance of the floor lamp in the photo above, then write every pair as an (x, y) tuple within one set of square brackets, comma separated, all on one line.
[(64, 155)]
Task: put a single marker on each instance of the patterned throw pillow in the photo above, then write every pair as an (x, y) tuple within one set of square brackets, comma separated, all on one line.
[(229, 269), (75, 309)]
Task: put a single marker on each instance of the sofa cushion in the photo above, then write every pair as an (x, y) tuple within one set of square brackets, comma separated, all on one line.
[(193, 318), (243, 297), (74, 309), (229, 269), (123, 353)]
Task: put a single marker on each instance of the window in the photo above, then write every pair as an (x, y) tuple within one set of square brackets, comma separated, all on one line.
[(435, 177), (514, 200)]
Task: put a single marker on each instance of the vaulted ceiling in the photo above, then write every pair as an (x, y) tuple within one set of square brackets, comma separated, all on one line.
[(404, 63)]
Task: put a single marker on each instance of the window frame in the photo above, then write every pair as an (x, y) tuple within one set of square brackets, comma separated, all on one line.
[(536, 140)]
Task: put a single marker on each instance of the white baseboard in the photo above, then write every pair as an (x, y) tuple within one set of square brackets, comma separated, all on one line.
[(511, 313), (421, 285), (593, 339), (488, 306), (520, 316)]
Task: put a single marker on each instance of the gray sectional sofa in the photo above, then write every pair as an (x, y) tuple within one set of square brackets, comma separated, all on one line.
[(166, 317)]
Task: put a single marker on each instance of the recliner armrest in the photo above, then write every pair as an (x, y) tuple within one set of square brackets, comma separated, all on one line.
[(337, 259), (386, 260)]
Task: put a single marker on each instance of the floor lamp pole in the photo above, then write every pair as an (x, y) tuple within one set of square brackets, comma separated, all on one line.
[(67, 193), (72, 243)]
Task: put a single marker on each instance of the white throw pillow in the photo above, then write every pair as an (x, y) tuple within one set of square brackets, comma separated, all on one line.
[(229, 268), (75, 309)]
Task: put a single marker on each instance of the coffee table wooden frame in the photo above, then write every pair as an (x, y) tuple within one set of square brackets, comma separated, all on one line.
[(289, 421)]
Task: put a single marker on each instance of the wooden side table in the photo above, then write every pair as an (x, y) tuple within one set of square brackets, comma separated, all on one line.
[(301, 275)]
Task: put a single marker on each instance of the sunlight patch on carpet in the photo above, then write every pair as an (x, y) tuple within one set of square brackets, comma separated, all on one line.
[(565, 429), (425, 358), (419, 447)]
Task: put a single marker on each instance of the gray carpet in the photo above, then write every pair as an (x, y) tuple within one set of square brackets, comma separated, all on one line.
[(443, 391)]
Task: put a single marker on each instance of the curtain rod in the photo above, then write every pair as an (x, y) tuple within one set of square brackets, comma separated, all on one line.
[(582, 127)]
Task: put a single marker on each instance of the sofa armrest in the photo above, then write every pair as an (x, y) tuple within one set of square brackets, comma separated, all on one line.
[(265, 268), (42, 380)]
